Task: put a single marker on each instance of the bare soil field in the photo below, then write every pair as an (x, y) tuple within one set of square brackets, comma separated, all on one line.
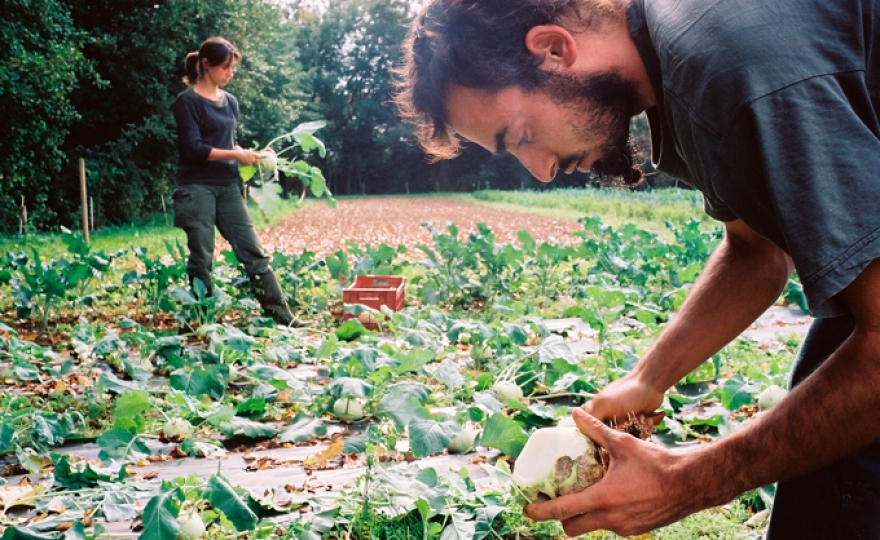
[(398, 220)]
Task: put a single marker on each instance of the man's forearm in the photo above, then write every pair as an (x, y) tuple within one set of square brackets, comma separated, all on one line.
[(743, 278), (831, 414)]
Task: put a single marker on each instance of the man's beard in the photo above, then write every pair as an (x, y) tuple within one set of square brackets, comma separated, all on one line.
[(601, 106)]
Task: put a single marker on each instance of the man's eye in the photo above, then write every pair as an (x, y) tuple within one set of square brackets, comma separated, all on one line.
[(522, 140)]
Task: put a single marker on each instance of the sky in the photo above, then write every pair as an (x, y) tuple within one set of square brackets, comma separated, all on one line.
[(322, 4)]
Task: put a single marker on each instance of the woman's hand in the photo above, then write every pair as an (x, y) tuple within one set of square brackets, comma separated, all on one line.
[(246, 157)]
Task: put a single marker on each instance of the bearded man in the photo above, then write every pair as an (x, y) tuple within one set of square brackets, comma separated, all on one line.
[(770, 109)]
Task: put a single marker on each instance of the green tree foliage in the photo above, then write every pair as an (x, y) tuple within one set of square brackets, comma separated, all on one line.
[(350, 49), (40, 62)]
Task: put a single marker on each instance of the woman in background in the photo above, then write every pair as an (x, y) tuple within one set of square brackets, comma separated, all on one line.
[(209, 187)]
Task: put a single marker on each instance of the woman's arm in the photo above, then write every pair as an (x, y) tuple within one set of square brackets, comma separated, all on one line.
[(243, 157)]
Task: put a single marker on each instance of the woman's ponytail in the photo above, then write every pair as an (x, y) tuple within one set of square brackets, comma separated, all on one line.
[(193, 69)]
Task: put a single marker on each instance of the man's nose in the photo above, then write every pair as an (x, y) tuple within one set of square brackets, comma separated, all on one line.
[(542, 166)]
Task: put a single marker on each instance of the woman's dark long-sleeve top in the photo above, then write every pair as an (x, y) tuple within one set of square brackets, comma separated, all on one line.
[(203, 124)]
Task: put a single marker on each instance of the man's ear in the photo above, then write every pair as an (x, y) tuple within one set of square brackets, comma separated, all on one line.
[(553, 45)]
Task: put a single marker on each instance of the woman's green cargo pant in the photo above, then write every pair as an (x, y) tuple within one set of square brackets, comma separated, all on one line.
[(198, 208)]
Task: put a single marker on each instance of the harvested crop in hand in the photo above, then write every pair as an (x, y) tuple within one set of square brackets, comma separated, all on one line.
[(557, 461), (561, 460), (268, 161)]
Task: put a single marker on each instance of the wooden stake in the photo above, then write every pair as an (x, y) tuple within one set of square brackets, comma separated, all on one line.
[(23, 225), (84, 199), (165, 211), (91, 213)]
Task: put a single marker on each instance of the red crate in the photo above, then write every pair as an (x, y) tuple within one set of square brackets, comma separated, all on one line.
[(375, 292)]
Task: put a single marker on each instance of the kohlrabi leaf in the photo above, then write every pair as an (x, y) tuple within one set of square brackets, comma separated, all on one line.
[(503, 433)]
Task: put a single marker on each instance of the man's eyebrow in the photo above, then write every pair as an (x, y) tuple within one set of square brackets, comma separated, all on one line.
[(500, 143)]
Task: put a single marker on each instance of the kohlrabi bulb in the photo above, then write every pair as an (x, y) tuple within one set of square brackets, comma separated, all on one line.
[(268, 161), (349, 408), (177, 428), (464, 441), (191, 526), (557, 461), (507, 390), (771, 396)]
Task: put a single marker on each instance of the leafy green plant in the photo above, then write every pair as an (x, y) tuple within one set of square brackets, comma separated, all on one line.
[(450, 262), (28, 433), (197, 309), (42, 285), (302, 140), (157, 277), (218, 377)]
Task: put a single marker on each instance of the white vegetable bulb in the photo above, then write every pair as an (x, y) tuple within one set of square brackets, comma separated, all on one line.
[(349, 408), (268, 161), (191, 526), (507, 390), (177, 427), (557, 461), (464, 441), (770, 397)]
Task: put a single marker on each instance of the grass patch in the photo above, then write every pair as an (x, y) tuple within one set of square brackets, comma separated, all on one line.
[(266, 209), (647, 210)]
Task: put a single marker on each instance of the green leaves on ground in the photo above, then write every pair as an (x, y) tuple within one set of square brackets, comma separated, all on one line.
[(122, 445), (503, 433), (426, 376), (226, 499), (160, 515), (428, 437)]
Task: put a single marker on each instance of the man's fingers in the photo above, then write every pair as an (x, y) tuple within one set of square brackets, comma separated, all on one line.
[(594, 407), (655, 417), (570, 506), (593, 428), (583, 523), (561, 509)]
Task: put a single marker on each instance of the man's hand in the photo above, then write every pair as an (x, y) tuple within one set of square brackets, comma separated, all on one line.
[(625, 397), (641, 491)]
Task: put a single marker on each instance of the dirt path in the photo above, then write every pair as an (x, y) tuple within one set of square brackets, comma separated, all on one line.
[(397, 220)]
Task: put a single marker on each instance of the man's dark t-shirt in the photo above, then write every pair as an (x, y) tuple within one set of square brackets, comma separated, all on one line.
[(203, 124), (771, 110)]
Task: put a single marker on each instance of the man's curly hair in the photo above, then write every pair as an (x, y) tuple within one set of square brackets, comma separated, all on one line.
[(477, 44)]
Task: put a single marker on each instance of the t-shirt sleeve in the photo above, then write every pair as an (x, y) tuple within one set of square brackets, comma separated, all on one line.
[(818, 145), (716, 209), (192, 147)]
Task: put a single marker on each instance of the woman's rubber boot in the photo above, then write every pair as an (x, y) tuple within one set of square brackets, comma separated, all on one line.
[(269, 295)]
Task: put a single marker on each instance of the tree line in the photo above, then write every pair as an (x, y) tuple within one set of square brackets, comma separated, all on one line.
[(94, 79)]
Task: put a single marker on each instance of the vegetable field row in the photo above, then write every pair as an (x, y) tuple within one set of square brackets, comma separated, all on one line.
[(113, 371)]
